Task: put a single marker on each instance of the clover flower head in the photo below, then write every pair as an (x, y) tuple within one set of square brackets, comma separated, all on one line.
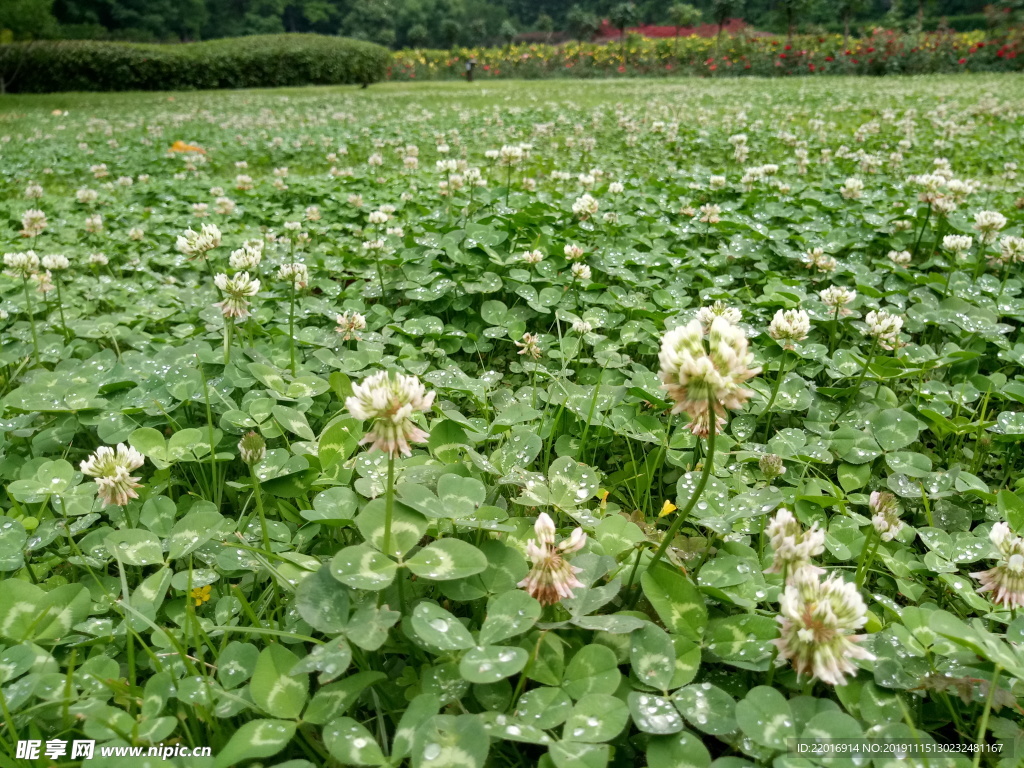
[(885, 327), (23, 264), (551, 577), (794, 547), (389, 404), (33, 222), (790, 326), (1006, 580), (194, 244), (852, 189), (296, 272), (836, 297), (710, 213), (350, 323), (987, 224), (530, 345), (701, 375), (706, 315), (252, 448), (957, 244), (817, 621), (237, 290), (771, 466), (580, 271), (533, 257), (585, 206), (885, 515), (112, 469), (248, 256), (573, 252), (899, 258)]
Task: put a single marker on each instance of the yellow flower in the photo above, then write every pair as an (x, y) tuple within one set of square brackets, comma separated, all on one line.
[(200, 595), (667, 508)]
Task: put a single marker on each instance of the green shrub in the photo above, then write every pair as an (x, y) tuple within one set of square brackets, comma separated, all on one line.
[(242, 62)]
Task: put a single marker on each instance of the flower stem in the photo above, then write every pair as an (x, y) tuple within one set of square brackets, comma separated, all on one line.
[(867, 555), (709, 460), (291, 322), (389, 504), (257, 493), (983, 723), (60, 309), (864, 370), (31, 319), (229, 327), (775, 394)]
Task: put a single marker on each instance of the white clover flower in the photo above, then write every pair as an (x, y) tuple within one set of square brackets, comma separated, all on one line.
[(1006, 580), (86, 196), (580, 271), (817, 259), (710, 213), (899, 258), (699, 376), (530, 345), (852, 189), (22, 265), (582, 326), (551, 578), (112, 470), (1011, 250), (585, 207), (312, 213), (224, 206), (987, 224), (237, 290), (55, 261), (616, 188), (885, 515), (533, 257), (136, 233), (447, 165), (33, 222), (33, 191), (794, 547), (378, 217), (349, 324), (252, 448), (196, 244), (836, 297), (707, 315), (717, 182), (98, 259), (510, 154), (789, 326), (297, 273), (355, 201), (248, 256), (817, 621), (957, 244), (243, 182), (375, 160), (572, 252), (885, 327), (94, 223), (389, 403)]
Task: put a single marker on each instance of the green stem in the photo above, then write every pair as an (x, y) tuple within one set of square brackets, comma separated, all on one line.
[(709, 460), (31, 319), (775, 393), (229, 327), (291, 322), (867, 556), (389, 504), (864, 370), (60, 309), (983, 723)]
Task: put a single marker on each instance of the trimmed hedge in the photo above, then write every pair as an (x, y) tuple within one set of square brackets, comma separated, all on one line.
[(241, 62)]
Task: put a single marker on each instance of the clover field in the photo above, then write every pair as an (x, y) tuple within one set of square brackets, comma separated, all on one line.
[(622, 423)]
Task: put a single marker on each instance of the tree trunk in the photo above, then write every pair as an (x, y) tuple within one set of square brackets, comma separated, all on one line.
[(846, 30)]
